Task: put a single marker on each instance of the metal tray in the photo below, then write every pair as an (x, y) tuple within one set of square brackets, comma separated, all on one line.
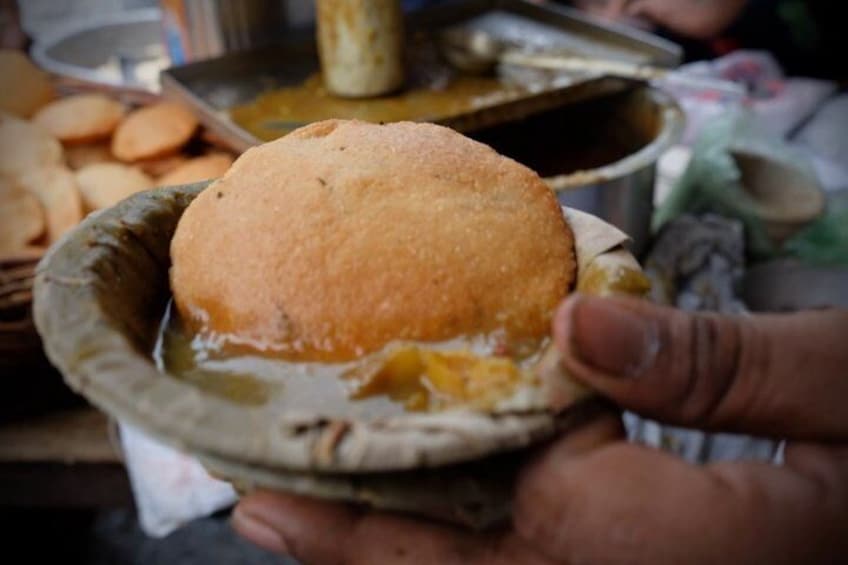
[(215, 86)]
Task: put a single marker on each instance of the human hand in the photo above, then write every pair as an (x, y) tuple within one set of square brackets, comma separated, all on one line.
[(592, 498), (698, 19)]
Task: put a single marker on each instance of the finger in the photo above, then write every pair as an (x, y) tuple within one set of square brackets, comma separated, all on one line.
[(601, 8), (319, 532), (779, 375), (602, 430), (614, 9), (699, 20), (825, 463), (631, 504), (323, 532), (658, 12)]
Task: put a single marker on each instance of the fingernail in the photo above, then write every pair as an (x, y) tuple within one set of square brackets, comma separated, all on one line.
[(610, 337), (256, 530)]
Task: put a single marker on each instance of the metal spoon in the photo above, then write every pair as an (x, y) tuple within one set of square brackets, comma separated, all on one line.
[(477, 52)]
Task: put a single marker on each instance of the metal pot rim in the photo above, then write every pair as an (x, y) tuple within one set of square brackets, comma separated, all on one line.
[(43, 44), (671, 130)]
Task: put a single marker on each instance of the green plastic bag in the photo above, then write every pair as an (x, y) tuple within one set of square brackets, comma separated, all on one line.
[(825, 242), (713, 180)]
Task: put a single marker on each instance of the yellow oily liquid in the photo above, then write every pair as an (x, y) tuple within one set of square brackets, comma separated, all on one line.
[(278, 112), (404, 377)]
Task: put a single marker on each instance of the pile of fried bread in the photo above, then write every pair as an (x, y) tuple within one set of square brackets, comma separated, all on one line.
[(63, 157)]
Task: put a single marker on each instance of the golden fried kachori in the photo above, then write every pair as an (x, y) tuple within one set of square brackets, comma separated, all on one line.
[(21, 217), (25, 87), (83, 118), (162, 165), (24, 147), (206, 167), (343, 236), (79, 156), (56, 190), (153, 131), (105, 184)]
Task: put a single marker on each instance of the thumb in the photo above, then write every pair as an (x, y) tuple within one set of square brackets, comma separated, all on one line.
[(775, 375)]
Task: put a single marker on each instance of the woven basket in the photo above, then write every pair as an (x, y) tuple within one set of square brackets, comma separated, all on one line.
[(30, 384), (18, 338)]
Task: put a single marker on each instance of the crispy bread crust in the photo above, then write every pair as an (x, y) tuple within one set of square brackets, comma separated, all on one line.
[(343, 236)]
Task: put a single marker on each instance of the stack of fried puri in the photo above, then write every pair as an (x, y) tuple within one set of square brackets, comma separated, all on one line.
[(61, 158)]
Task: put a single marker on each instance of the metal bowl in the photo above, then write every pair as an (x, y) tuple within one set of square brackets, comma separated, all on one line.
[(123, 50), (600, 155)]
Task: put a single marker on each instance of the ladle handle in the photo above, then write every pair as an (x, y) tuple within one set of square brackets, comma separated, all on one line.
[(620, 69)]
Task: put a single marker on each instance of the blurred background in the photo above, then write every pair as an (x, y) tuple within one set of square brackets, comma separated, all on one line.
[(715, 133)]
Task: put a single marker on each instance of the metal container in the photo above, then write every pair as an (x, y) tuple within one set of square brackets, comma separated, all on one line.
[(200, 29), (622, 192), (361, 49), (627, 130), (121, 49), (600, 155), (214, 87)]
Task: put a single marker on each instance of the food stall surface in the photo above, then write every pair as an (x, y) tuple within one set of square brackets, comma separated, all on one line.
[(65, 497), (246, 81)]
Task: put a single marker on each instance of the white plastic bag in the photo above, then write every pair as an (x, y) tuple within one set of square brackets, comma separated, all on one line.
[(170, 488)]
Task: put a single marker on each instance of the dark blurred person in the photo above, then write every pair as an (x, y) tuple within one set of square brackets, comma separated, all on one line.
[(801, 34), (11, 34)]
